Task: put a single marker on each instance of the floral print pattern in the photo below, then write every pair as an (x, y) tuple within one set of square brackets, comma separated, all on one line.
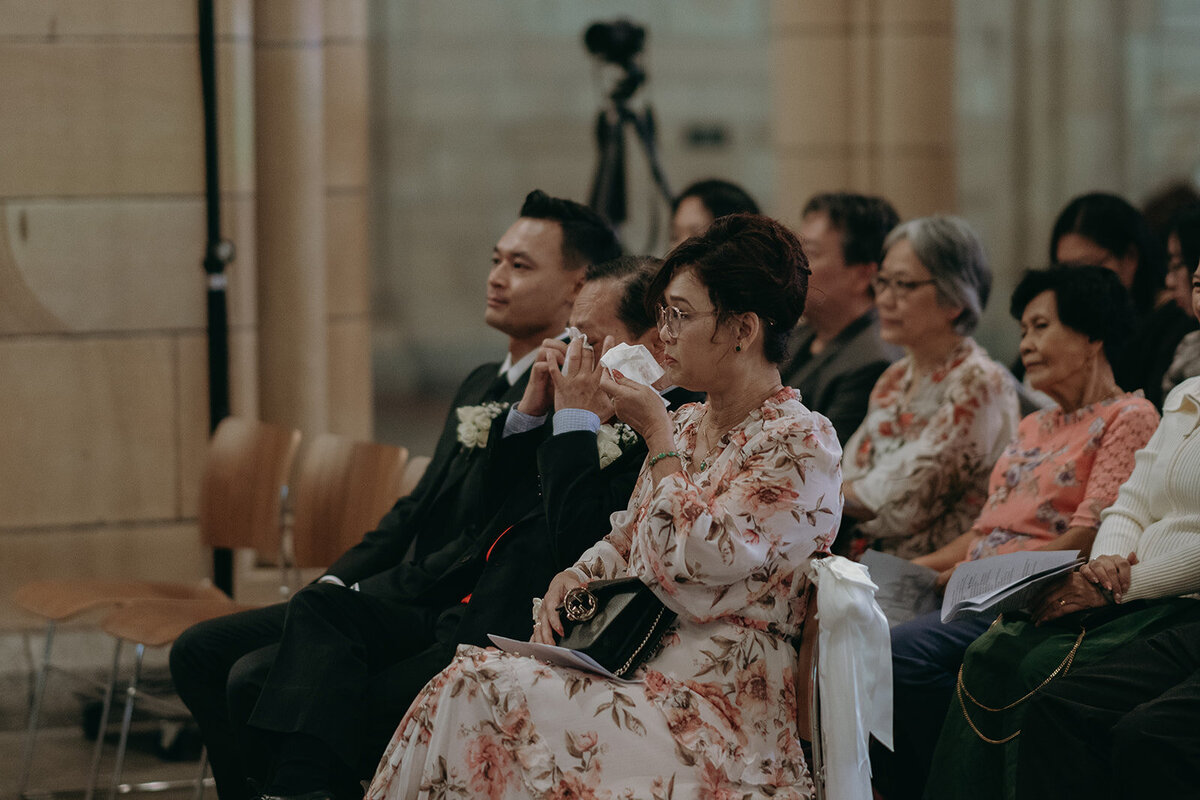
[(921, 458), (1062, 470), (713, 714)]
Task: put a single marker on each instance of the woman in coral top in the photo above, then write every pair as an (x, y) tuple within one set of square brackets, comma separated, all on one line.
[(1046, 491)]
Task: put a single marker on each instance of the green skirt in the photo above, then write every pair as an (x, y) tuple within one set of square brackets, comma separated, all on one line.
[(976, 756)]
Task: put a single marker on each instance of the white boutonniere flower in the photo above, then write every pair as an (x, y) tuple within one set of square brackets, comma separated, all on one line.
[(475, 423), (611, 439)]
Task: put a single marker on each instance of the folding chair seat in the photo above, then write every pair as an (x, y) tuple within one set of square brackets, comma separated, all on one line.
[(245, 474), (343, 488)]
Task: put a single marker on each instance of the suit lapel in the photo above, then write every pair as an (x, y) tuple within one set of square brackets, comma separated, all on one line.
[(463, 459)]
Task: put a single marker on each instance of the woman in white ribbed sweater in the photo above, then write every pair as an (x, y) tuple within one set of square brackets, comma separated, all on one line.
[(1126, 726), (1146, 556)]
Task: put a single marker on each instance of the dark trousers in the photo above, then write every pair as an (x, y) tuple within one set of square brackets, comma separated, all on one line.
[(926, 655), (1128, 726), (330, 663)]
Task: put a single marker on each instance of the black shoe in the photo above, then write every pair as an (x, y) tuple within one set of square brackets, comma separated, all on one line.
[(316, 794)]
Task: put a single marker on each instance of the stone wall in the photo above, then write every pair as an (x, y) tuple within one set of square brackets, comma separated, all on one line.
[(1054, 99), (104, 398), (475, 103)]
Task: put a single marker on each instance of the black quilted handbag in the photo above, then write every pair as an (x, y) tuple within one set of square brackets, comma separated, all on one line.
[(620, 623)]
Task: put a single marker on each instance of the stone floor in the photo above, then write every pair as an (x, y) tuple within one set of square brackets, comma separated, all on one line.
[(62, 761), (63, 756)]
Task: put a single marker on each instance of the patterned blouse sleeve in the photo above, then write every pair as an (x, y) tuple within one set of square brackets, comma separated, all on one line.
[(1128, 432), (720, 554), (609, 557), (964, 436)]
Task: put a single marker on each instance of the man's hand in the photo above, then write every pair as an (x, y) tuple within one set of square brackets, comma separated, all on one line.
[(539, 392), (580, 387)]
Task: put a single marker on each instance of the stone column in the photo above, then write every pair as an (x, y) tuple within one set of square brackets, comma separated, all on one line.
[(348, 258), (289, 117), (864, 101)]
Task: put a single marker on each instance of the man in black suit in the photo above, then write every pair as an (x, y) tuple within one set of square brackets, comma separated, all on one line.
[(586, 462), (839, 354), (279, 692), (553, 488)]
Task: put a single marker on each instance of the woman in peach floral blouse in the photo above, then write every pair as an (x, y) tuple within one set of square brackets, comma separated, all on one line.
[(1046, 492), (916, 469), (736, 496)]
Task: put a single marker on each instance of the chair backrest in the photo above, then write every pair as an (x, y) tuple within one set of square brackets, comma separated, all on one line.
[(808, 696), (412, 474), (245, 471), (806, 675), (343, 489)]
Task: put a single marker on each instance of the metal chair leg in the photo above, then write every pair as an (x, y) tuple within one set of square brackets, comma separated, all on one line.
[(105, 710), (127, 721), (35, 711), (818, 736), (199, 795)]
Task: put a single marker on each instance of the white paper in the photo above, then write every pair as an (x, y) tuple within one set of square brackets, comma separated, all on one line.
[(906, 590), (1003, 583), (553, 654), (573, 333), (633, 361)]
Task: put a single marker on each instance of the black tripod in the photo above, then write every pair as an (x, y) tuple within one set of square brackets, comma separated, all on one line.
[(608, 194)]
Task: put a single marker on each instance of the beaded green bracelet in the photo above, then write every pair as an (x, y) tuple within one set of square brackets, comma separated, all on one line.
[(661, 456)]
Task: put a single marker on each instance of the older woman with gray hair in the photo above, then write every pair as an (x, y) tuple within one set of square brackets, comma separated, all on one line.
[(916, 470)]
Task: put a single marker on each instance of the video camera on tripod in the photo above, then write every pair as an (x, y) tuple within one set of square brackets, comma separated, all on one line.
[(621, 43)]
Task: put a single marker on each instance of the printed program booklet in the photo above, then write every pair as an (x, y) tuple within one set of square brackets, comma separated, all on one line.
[(906, 590), (553, 654), (1003, 583)]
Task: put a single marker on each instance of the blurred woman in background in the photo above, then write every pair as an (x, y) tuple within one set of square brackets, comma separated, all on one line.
[(916, 470)]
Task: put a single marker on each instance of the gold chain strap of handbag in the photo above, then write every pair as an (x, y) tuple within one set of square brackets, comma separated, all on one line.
[(961, 690)]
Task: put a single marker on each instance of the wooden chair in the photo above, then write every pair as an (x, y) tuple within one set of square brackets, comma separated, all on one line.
[(808, 696), (343, 488), (245, 472), (412, 474)]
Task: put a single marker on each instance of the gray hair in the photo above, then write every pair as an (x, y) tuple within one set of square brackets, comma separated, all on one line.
[(950, 249)]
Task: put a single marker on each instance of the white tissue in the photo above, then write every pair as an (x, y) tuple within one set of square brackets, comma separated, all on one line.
[(573, 333), (634, 362)]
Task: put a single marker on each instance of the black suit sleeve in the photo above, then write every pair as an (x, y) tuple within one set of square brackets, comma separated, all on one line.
[(578, 496), (387, 544), (512, 464)]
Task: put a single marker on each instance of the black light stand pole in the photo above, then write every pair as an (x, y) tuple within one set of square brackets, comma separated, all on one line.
[(218, 254)]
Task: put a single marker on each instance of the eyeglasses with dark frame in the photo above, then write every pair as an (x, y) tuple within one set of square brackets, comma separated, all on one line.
[(672, 318), (900, 287)]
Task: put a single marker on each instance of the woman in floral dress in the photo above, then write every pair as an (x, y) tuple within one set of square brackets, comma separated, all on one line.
[(916, 470), (735, 497)]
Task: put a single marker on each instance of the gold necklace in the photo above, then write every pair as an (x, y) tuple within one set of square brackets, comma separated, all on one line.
[(709, 447)]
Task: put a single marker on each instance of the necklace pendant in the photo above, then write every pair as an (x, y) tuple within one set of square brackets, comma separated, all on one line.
[(703, 466)]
